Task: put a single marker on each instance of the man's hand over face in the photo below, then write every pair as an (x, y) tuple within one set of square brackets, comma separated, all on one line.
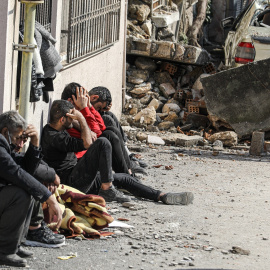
[(32, 133), (81, 99)]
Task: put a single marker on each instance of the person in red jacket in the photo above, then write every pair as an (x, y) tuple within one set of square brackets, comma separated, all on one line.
[(120, 159)]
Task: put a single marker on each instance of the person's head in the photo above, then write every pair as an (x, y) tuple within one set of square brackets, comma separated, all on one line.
[(12, 127), (100, 97), (69, 90), (58, 112)]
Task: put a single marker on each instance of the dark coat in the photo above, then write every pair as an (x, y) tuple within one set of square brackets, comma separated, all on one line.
[(17, 169)]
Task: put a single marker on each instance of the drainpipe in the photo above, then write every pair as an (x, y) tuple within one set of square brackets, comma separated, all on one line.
[(124, 58), (27, 47)]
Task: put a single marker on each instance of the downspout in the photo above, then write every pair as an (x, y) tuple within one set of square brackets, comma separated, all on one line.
[(27, 47), (124, 58)]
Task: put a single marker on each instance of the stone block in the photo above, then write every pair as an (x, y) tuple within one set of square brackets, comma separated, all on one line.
[(147, 27), (184, 140), (171, 117), (141, 136), (164, 77), (171, 107), (155, 140), (167, 89), (257, 143), (138, 46), (179, 52), (164, 20), (140, 74), (141, 91)]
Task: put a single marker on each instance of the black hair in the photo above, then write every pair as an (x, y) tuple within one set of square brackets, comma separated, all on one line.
[(69, 90), (103, 93), (59, 109)]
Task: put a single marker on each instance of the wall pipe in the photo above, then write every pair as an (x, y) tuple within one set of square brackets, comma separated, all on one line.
[(27, 56)]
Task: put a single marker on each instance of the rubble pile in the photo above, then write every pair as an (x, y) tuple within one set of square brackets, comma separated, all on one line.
[(163, 96)]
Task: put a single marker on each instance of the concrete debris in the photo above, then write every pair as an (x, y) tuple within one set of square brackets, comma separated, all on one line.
[(229, 138), (257, 143), (155, 140)]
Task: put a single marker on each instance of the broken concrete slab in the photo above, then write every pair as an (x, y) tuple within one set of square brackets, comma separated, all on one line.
[(145, 64), (146, 116), (167, 89), (240, 96), (166, 50), (184, 140), (164, 20), (155, 140)]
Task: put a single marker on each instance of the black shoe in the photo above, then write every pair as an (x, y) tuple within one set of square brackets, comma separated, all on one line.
[(112, 194), (135, 168), (23, 253), (177, 198), (43, 237), (140, 162), (56, 235), (12, 260)]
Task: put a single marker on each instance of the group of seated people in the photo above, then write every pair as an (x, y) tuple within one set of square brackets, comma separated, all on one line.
[(82, 146)]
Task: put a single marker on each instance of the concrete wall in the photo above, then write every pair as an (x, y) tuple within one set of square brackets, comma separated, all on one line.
[(103, 69), (8, 30)]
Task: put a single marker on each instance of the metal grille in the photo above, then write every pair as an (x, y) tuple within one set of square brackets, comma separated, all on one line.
[(43, 14), (92, 25)]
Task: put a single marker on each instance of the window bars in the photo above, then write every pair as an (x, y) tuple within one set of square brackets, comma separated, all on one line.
[(92, 26), (43, 14)]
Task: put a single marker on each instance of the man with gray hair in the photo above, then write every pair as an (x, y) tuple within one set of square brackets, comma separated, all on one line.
[(18, 188)]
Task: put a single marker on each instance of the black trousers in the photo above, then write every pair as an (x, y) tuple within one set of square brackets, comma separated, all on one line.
[(111, 120), (127, 182), (15, 213), (37, 214), (120, 158), (97, 158)]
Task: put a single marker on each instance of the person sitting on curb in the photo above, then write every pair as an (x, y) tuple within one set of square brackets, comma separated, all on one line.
[(58, 148), (120, 160), (101, 99), (18, 188)]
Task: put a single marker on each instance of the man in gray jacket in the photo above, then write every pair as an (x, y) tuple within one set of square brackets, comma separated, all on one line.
[(18, 188)]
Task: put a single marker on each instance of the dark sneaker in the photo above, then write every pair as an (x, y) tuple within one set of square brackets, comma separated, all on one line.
[(177, 198), (12, 260), (112, 194), (139, 161), (44, 237), (23, 253), (136, 168), (56, 235)]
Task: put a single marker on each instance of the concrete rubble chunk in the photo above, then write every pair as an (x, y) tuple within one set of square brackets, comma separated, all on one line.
[(137, 10), (171, 117), (138, 46), (167, 89), (141, 74), (198, 84), (155, 140), (145, 64), (155, 103), (146, 116), (184, 140), (162, 49), (146, 99), (257, 143), (171, 107), (229, 138), (164, 20), (165, 125), (134, 80), (141, 91), (179, 52), (245, 106), (147, 27)]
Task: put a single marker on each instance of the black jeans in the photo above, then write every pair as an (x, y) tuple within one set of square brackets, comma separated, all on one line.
[(127, 182), (15, 213), (37, 214), (120, 158), (97, 158), (111, 120)]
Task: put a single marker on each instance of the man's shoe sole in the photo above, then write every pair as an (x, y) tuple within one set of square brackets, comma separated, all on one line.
[(183, 198), (12, 264), (39, 244)]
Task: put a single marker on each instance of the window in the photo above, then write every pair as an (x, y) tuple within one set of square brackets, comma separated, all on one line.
[(89, 26), (43, 14)]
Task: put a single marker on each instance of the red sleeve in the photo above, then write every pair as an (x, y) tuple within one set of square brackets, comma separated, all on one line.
[(91, 121), (98, 118)]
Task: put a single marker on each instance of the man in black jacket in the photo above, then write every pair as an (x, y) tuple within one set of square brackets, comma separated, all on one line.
[(18, 188)]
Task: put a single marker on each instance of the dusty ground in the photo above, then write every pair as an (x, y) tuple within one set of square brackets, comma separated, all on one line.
[(231, 208)]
